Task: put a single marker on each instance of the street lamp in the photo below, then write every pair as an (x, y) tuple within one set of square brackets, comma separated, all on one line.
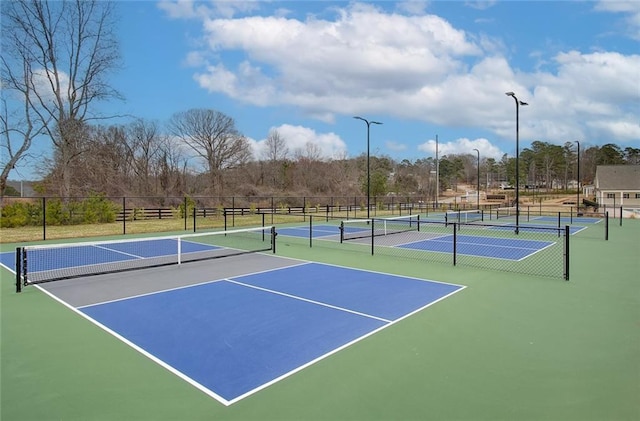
[(518, 104), (478, 188), (578, 192), (369, 123)]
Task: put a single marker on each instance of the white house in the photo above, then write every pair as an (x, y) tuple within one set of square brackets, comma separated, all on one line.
[(618, 185)]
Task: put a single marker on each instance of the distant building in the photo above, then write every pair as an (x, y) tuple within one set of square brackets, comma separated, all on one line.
[(618, 185)]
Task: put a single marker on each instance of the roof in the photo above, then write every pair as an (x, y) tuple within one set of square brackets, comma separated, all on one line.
[(618, 177)]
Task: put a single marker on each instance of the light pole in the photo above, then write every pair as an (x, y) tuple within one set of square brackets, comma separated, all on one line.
[(518, 104), (437, 173), (578, 192), (478, 189), (369, 123)]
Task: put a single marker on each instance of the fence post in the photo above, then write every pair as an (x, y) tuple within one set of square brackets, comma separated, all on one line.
[(44, 218), (566, 252), (620, 215), (186, 213), (124, 215)]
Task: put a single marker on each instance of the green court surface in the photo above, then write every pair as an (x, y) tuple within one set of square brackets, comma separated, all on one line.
[(507, 347)]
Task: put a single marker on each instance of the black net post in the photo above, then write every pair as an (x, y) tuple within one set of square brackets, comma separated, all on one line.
[(566, 252), (274, 234), (195, 211), (606, 226), (18, 269), (373, 236), (455, 243), (310, 231), (341, 232), (571, 215)]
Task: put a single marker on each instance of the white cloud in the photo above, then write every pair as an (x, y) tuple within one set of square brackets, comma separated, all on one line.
[(330, 145), (462, 146), (322, 65), (395, 146), (631, 10), (190, 9), (414, 7), (481, 4), (418, 66)]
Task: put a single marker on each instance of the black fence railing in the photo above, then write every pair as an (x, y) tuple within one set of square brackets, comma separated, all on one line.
[(133, 215)]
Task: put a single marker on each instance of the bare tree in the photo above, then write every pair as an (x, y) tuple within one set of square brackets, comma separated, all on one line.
[(59, 53), (143, 150), (275, 147), (275, 152), (213, 136), (17, 133)]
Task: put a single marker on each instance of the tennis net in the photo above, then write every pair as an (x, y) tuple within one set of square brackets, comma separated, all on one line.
[(506, 212), (365, 228), (464, 216), (51, 262)]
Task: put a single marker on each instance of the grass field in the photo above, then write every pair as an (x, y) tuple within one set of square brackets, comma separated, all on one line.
[(508, 347)]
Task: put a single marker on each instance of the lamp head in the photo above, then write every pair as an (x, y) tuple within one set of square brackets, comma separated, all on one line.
[(510, 94)]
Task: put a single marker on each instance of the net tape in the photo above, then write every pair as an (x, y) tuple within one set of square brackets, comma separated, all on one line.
[(365, 228), (51, 262)]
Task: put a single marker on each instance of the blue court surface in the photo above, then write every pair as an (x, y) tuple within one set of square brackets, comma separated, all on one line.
[(84, 255), (471, 245), (567, 220), (573, 229), (232, 337)]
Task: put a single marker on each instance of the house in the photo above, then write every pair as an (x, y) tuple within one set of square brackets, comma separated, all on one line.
[(618, 185)]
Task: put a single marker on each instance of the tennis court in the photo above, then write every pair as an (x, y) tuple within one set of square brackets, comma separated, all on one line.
[(325, 332), (473, 245), (416, 236), (529, 227), (235, 328), (326, 232)]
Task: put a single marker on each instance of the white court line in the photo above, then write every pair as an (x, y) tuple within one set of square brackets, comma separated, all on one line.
[(185, 286), (219, 398), (320, 303)]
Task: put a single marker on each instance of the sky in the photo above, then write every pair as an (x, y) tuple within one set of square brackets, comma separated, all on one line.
[(424, 69)]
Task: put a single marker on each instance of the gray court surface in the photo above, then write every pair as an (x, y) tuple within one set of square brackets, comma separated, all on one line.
[(114, 286)]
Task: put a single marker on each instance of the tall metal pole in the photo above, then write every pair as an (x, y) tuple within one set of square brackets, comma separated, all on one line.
[(369, 123), (518, 104), (437, 173), (478, 188), (578, 193)]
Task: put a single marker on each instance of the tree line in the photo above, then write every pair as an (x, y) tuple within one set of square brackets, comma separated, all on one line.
[(56, 61)]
